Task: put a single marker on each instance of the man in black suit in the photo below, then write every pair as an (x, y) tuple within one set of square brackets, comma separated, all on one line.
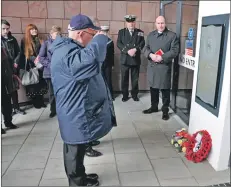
[(130, 42)]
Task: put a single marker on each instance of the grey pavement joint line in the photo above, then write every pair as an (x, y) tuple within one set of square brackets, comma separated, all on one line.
[(115, 160)]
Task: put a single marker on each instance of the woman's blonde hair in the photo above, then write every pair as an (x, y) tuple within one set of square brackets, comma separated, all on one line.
[(57, 29)]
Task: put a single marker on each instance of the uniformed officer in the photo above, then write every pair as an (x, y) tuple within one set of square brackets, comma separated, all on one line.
[(108, 63), (130, 42), (162, 46)]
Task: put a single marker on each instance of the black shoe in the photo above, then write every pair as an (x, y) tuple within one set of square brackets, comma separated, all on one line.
[(92, 153), (94, 143), (11, 126), (165, 116), (150, 110), (19, 111), (43, 105), (124, 99), (37, 106), (89, 182), (135, 98), (3, 131), (52, 114), (92, 176)]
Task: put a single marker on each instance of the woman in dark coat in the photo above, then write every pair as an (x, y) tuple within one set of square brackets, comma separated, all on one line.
[(30, 46), (45, 60)]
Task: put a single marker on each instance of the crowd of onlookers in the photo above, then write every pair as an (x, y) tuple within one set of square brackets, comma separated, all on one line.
[(33, 52)]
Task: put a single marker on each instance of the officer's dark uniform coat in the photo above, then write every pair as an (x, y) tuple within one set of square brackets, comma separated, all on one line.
[(125, 42), (159, 74)]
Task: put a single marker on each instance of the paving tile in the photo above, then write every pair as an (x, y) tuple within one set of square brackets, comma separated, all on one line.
[(128, 145), (127, 131), (32, 160), (141, 178), (153, 136), (156, 151), (36, 143), (13, 139), (170, 168), (54, 182), (108, 156), (146, 126), (4, 166), (9, 152), (57, 151), (22, 178), (205, 174), (107, 174), (133, 162), (54, 170), (179, 182)]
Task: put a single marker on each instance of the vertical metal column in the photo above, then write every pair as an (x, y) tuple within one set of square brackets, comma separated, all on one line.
[(175, 67)]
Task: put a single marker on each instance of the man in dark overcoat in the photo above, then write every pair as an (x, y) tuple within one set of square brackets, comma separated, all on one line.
[(108, 63), (130, 42), (162, 46)]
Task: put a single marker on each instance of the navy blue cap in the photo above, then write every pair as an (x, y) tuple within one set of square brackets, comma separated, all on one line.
[(80, 22)]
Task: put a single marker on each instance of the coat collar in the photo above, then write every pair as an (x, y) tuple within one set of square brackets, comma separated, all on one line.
[(165, 32)]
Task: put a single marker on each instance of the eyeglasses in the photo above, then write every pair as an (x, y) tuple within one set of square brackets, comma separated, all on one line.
[(89, 33), (72, 29)]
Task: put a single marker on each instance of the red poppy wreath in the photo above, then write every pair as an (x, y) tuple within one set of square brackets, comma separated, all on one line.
[(199, 146)]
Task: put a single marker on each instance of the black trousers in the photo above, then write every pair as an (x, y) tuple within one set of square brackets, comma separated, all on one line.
[(165, 99), (107, 75), (37, 100), (135, 70), (51, 96), (6, 107), (14, 97), (74, 163)]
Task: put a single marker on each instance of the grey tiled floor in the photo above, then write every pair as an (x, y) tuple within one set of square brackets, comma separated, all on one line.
[(136, 153)]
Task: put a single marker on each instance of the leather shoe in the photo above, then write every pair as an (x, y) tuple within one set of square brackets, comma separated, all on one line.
[(11, 126), (92, 176), (135, 98), (92, 153), (3, 131), (52, 114), (124, 99), (165, 116), (94, 143), (89, 182), (150, 110)]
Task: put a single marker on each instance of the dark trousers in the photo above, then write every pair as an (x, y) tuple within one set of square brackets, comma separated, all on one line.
[(14, 97), (37, 100), (107, 75), (51, 96), (74, 163), (6, 108), (165, 99), (135, 70)]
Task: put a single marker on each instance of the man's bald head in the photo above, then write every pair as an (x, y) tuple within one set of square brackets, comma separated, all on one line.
[(160, 23)]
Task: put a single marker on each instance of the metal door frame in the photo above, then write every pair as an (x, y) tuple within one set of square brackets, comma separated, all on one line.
[(175, 67)]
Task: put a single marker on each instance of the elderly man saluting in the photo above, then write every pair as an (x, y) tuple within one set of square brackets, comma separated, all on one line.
[(161, 48), (84, 104)]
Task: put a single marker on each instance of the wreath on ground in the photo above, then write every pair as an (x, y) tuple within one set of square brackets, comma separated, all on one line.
[(198, 146)]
